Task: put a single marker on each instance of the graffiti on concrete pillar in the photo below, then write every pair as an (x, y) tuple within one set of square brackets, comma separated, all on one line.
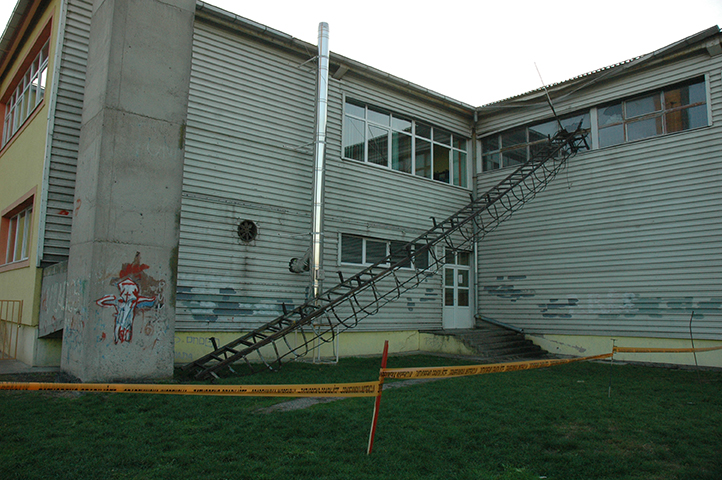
[(128, 300), (125, 305)]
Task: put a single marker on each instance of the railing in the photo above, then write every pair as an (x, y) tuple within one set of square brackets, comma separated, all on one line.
[(11, 314)]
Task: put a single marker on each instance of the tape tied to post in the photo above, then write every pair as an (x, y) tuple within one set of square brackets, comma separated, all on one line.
[(364, 389)]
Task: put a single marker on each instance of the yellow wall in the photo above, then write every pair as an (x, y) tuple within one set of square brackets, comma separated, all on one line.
[(582, 346), (192, 345), (21, 169)]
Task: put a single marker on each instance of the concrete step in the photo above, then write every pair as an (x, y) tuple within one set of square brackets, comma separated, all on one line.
[(497, 344)]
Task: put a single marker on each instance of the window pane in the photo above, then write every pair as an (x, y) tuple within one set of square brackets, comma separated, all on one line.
[(401, 152), (571, 123), (449, 257), (440, 136), (378, 145), (375, 251), (643, 106), (423, 130), (644, 128), (463, 297), (686, 119), (43, 79), (353, 139), (515, 157), (353, 108), (543, 131), (20, 239), (613, 135), (490, 144), (441, 163), (449, 277), (398, 253), (514, 137), (449, 297), (460, 143), (401, 124), (378, 116), (464, 258), (609, 115), (686, 95), (421, 261), (463, 278), (459, 168), (423, 158), (351, 249), (491, 162)]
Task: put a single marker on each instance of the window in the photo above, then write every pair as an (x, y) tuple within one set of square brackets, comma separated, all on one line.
[(374, 135), (368, 251), (517, 146), (28, 94), (673, 109), (15, 231)]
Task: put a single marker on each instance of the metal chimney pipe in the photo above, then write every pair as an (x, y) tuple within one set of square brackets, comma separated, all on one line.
[(319, 166)]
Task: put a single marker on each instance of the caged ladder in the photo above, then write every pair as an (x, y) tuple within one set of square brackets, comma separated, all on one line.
[(352, 299)]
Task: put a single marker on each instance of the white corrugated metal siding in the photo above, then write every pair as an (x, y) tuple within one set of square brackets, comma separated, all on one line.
[(626, 241), (251, 111)]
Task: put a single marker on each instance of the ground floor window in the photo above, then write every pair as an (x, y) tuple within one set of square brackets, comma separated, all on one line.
[(15, 232), (357, 250)]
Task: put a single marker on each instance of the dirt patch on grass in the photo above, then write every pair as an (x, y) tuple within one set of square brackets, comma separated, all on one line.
[(301, 403)]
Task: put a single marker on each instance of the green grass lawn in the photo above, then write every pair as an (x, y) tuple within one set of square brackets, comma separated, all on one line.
[(555, 423)]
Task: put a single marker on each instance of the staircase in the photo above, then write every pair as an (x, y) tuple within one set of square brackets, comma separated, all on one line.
[(496, 344), (352, 299)]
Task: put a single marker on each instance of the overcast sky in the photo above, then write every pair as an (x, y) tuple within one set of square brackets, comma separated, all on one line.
[(481, 51)]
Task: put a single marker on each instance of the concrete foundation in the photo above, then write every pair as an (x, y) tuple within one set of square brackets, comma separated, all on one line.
[(122, 269)]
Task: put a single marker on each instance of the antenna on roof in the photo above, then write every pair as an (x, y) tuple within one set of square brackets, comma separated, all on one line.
[(549, 99)]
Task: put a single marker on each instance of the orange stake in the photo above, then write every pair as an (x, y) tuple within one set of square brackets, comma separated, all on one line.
[(378, 398)]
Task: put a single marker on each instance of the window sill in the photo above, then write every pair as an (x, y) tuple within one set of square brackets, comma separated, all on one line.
[(14, 265), (405, 174)]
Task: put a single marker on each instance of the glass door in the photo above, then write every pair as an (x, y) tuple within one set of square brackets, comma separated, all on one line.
[(457, 290)]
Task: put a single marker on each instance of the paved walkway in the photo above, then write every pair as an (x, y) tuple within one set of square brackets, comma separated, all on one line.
[(10, 367)]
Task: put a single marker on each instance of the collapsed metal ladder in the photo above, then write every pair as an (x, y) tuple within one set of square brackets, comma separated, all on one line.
[(352, 299)]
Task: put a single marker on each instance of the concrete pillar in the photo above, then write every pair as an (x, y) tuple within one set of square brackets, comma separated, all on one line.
[(120, 304)]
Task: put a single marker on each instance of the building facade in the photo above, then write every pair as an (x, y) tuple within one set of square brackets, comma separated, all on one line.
[(149, 212)]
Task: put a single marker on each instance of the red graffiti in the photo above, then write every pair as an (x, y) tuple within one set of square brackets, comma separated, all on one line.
[(132, 269), (125, 305), (64, 213)]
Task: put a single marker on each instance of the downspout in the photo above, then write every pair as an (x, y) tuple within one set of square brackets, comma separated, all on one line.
[(319, 166)]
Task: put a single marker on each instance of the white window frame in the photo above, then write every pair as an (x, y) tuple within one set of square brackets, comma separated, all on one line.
[(27, 95), (369, 123), (18, 236), (364, 261), (661, 113)]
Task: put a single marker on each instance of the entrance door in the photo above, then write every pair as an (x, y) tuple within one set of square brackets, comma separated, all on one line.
[(457, 290)]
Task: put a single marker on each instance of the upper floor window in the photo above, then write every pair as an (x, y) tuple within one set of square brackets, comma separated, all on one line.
[(15, 228), (28, 94), (517, 146), (374, 135), (673, 109)]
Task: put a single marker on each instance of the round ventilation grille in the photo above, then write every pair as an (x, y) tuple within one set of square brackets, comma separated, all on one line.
[(247, 231)]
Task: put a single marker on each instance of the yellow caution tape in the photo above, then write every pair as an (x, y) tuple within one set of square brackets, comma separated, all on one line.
[(440, 372), (664, 350), (365, 389)]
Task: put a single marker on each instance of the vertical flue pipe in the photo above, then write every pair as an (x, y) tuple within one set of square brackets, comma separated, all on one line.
[(319, 166)]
